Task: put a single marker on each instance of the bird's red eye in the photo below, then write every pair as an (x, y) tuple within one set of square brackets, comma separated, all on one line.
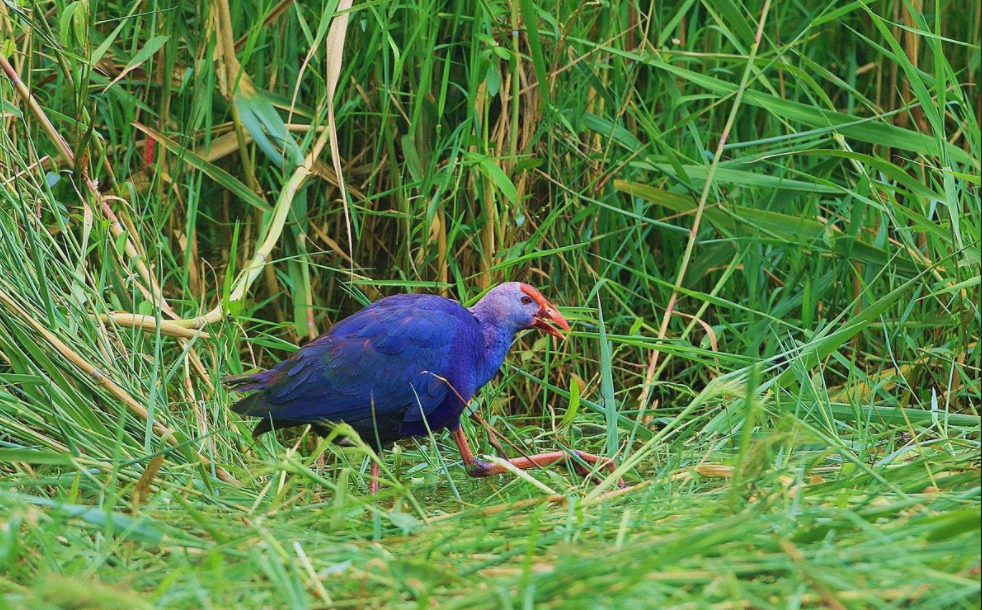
[(526, 301)]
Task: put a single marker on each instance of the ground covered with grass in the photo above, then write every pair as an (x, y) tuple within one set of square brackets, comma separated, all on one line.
[(762, 220)]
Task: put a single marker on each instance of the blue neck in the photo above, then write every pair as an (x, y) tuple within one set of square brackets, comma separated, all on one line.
[(497, 341)]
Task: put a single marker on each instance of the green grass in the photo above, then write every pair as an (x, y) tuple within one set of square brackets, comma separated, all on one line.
[(791, 390)]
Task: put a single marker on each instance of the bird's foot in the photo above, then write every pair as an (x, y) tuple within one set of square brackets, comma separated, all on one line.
[(478, 468)]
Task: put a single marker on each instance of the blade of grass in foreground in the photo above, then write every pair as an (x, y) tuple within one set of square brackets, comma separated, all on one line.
[(607, 385)]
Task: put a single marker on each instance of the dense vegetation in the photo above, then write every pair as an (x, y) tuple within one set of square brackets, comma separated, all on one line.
[(763, 219)]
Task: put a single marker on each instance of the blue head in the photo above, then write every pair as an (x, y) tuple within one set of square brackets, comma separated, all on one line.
[(514, 306), (505, 310)]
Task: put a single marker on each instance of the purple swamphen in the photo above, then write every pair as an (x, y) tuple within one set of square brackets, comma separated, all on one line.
[(403, 366)]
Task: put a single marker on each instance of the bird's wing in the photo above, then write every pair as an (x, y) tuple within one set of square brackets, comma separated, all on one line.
[(389, 356)]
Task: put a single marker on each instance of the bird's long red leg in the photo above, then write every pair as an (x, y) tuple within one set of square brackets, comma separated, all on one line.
[(373, 484), (477, 468)]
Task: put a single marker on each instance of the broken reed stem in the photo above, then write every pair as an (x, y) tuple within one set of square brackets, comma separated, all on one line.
[(336, 36), (282, 207), (258, 261), (151, 323)]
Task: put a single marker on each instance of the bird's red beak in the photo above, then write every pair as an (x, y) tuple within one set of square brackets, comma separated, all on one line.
[(547, 313)]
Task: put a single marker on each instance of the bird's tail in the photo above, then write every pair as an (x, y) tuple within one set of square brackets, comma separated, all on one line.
[(250, 405), (249, 382), (246, 382)]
